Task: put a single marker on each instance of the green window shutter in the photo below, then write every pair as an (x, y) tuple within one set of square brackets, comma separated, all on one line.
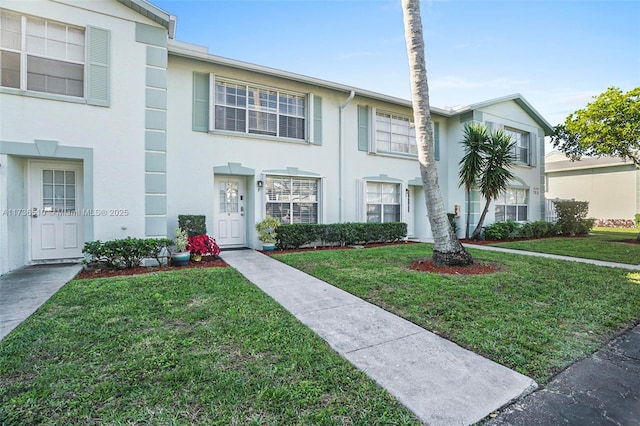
[(533, 152), (317, 120), (436, 140), (200, 102), (97, 72), (363, 128)]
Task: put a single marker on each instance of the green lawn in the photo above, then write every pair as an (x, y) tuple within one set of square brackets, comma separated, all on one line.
[(201, 346), (537, 316), (604, 244)]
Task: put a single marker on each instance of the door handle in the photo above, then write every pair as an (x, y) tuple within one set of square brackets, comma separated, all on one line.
[(34, 213)]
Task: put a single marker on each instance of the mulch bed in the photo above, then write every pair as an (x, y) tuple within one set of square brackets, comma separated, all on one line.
[(207, 262), (366, 246)]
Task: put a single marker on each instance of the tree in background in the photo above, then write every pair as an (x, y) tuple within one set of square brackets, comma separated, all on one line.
[(608, 126), (475, 137), (447, 249)]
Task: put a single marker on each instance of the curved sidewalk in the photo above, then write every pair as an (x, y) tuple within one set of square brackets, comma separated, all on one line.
[(441, 382)]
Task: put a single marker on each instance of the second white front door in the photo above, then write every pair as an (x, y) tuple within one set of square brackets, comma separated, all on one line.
[(230, 208)]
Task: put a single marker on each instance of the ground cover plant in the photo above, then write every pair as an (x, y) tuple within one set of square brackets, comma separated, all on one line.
[(536, 315), (197, 346), (607, 244)]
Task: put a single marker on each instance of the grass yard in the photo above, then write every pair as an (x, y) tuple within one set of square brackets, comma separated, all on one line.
[(603, 244), (200, 346), (537, 316)]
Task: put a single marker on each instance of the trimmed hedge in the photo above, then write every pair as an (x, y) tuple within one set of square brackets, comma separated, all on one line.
[(510, 230), (300, 234), (572, 217), (125, 253)]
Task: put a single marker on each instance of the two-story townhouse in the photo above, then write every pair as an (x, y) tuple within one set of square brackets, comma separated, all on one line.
[(180, 131), (82, 125)]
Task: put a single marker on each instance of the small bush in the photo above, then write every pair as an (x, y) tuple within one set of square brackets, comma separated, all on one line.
[(638, 220), (203, 245), (571, 215), (193, 224), (538, 229), (125, 253), (502, 230), (301, 234)]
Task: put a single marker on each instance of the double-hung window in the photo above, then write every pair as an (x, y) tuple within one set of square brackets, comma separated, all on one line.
[(383, 202), (512, 205), (38, 55), (521, 149), (292, 199), (259, 110), (395, 133)]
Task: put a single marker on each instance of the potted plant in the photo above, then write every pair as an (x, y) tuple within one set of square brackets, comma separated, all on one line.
[(182, 255), (267, 232), (201, 245)]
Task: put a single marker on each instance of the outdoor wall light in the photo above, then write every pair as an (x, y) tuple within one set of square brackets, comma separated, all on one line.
[(260, 184)]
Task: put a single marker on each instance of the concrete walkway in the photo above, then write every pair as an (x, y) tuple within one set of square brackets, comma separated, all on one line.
[(442, 383), (24, 290), (555, 256)]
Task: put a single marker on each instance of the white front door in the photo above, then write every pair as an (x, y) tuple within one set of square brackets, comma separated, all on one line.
[(230, 205), (410, 217), (55, 196)]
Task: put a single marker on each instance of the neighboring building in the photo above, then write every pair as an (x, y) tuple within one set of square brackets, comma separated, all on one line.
[(609, 184), (111, 128)]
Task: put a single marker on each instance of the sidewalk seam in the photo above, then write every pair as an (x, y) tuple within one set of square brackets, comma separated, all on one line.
[(386, 341)]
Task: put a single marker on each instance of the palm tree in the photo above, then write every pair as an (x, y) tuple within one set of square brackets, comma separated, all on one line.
[(496, 172), (447, 249), (475, 137)]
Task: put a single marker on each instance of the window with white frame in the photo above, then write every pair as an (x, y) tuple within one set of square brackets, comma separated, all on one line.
[(395, 133), (292, 199), (513, 204), (521, 148), (247, 108), (383, 202), (41, 55)]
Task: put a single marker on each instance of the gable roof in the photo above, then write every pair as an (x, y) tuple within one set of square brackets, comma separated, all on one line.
[(519, 100), (154, 13)]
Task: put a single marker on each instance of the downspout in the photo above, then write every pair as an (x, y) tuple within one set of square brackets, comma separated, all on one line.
[(341, 109)]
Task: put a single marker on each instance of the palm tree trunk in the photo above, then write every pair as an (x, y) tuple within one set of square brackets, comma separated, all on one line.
[(447, 249), (466, 229), (478, 230)]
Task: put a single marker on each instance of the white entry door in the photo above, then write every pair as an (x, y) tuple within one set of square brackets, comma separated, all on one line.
[(55, 195), (230, 220)]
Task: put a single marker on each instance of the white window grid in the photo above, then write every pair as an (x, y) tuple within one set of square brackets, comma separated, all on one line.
[(292, 199), (395, 133), (512, 204), (383, 202), (260, 110), (521, 148), (39, 44)]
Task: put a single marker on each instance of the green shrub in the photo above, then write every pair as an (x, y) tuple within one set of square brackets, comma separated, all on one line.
[(193, 224), (638, 220), (538, 229), (300, 234), (502, 230), (125, 253), (571, 216)]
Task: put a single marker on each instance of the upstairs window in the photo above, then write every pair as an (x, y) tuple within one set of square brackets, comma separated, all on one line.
[(54, 55), (38, 55), (521, 149), (264, 111), (395, 134)]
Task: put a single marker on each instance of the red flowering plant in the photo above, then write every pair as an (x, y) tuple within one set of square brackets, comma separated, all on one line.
[(203, 245)]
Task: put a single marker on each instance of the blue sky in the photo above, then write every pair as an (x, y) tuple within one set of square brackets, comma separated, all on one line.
[(558, 54)]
